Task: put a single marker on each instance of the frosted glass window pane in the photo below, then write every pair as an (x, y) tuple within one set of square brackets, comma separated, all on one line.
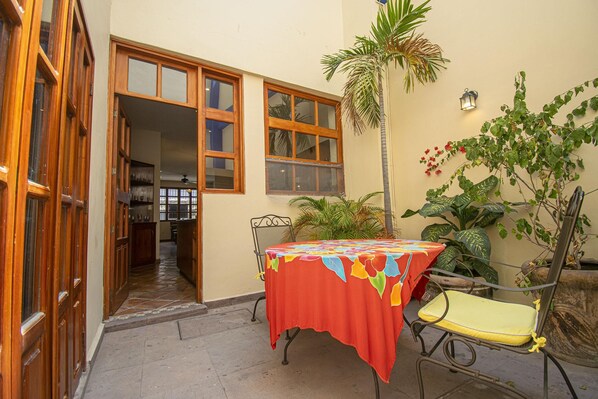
[(328, 149), (326, 116), (279, 105), (143, 77), (280, 176), (305, 178), (174, 84), (219, 95), (304, 110), (220, 136)]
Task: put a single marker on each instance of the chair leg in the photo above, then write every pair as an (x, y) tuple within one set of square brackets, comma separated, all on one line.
[(561, 370), (255, 307)]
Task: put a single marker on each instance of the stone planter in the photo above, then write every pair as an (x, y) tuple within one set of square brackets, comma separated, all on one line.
[(455, 284), (571, 329)]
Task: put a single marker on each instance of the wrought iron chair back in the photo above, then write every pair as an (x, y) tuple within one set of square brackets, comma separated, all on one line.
[(560, 256), (269, 230)]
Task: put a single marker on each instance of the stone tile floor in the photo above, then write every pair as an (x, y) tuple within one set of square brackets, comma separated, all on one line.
[(236, 361), (157, 287)]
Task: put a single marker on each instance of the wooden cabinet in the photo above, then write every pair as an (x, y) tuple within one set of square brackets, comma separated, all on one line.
[(186, 252), (143, 243)]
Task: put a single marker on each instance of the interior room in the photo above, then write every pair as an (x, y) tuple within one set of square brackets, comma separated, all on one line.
[(426, 170)]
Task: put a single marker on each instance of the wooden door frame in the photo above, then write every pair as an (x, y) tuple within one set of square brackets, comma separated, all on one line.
[(109, 219)]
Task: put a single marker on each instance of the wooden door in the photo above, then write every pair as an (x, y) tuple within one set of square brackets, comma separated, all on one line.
[(119, 273), (71, 226)]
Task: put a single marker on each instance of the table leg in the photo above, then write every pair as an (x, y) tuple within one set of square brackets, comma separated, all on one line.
[(286, 347), (376, 384)]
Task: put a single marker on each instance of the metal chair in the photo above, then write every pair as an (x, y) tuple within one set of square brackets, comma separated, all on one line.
[(269, 230), (450, 318)]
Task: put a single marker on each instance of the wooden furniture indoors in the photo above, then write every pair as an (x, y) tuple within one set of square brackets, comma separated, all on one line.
[(143, 243), (186, 257)]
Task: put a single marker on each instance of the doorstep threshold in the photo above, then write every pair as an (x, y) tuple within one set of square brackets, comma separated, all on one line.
[(154, 317)]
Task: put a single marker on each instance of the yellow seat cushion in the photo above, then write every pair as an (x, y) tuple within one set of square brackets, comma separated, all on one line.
[(505, 323)]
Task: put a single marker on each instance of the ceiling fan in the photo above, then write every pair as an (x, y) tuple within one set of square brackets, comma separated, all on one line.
[(185, 180)]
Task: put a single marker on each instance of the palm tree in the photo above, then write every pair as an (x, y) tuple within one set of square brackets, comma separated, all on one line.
[(393, 41)]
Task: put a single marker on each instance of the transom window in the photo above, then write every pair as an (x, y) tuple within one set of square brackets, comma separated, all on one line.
[(178, 203), (303, 143)]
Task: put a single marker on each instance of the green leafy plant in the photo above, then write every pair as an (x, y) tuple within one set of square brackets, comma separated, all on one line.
[(323, 219), (465, 216), (538, 156), (392, 41)]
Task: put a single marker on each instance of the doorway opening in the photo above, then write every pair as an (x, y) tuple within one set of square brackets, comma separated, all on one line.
[(163, 206)]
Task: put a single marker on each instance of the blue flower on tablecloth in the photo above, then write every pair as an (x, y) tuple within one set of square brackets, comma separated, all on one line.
[(336, 265), (392, 266)]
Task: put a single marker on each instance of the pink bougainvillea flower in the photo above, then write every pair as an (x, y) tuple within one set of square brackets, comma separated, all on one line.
[(435, 148), (462, 149), (432, 159), (448, 146), (428, 172), (427, 151), (423, 158), (438, 172)]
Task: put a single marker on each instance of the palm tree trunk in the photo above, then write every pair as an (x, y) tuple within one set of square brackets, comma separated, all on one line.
[(386, 185)]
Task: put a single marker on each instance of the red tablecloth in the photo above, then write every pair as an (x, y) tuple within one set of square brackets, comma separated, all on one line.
[(354, 289)]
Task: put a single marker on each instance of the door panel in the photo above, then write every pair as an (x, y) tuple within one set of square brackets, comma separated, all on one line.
[(119, 276)]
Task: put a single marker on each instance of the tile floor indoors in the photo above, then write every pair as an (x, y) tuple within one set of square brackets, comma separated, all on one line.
[(223, 355), (157, 287)]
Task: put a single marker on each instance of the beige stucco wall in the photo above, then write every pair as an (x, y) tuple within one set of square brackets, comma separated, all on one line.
[(282, 42), (488, 43), (97, 14)]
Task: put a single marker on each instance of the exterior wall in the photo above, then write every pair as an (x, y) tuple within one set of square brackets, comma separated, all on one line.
[(488, 43), (282, 41), (97, 14)]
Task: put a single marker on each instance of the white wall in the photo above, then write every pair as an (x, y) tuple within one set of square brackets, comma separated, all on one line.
[(97, 15), (283, 41), (146, 147), (488, 43)]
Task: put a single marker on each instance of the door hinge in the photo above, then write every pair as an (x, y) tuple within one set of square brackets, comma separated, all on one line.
[(113, 171), (112, 229), (115, 114)]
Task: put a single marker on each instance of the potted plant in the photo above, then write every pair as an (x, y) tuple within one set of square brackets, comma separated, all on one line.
[(323, 219), (540, 158), (463, 230)]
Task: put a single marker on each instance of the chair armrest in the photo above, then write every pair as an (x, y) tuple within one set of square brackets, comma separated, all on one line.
[(485, 283)]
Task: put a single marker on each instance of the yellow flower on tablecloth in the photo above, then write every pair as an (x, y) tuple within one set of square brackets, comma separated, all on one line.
[(395, 295), (358, 270)]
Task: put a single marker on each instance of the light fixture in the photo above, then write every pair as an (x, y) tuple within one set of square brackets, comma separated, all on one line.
[(468, 100)]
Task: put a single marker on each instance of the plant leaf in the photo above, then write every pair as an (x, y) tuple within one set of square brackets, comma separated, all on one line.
[(484, 270), (434, 231), (408, 213), (447, 260), (436, 207), (476, 241)]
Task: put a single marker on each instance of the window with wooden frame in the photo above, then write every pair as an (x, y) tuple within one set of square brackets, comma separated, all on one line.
[(222, 155), (178, 203), (303, 143), (156, 78)]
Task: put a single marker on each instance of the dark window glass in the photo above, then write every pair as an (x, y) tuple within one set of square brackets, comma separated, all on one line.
[(39, 130), (328, 149), (280, 142), (32, 258), (305, 146), (328, 178), (48, 27), (304, 110), (4, 44), (63, 266), (326, 116), (279, 105)]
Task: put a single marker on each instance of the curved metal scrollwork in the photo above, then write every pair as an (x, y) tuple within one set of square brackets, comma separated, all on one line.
[(271, 221), (449, 352)]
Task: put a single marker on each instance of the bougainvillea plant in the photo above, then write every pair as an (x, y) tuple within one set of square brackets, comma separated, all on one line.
[(537, 155)]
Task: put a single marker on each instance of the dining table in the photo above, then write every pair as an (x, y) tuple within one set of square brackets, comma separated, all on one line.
[(356, 290)]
